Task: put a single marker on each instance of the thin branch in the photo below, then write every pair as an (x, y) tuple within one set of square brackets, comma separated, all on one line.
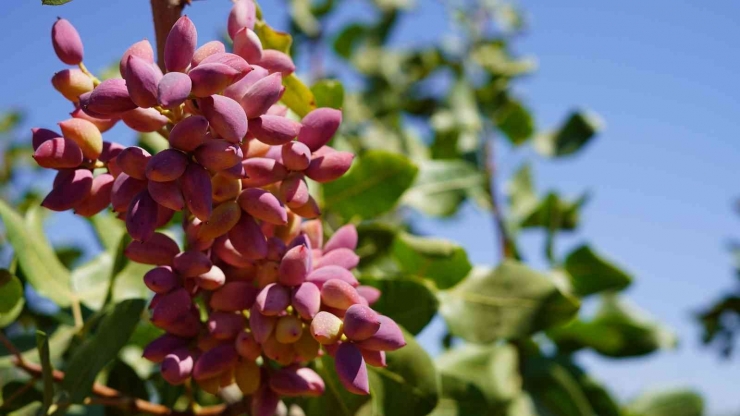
[(11, 348), (165, 13), (505, 243), (18, 393)]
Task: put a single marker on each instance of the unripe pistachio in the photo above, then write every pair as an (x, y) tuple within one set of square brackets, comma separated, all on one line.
[(141, 80), (237, 90), (208, 49), (166, 166), (263, 205), (388, 338), (277, 110), (223, 218), (265, 92), (171, 307), (218, 155), (254, 148), (103, 124), (276, 249), (267, 273), (71, 187), (215, 361), (141, 216), (370, 293), (141, 49), (306, 348), (309, 210), (40, 135), (330, 166), (133, 160), (186, 326), (360, 322), (320, 276), (274, 130), (144, 120), (247, 376), (195, 184), (342, 257), (180, 45), (326, 328), (319, 127), (374, 358), (98, 198), (265, 401), (263, 171), (72, 83), (158, 250), (211, 78), (344, 237), (212, 279), (67, 43), (167, 194), (161, 279), (283, 354), (339, 294), (232, 60), (233, 297), (314, 230), (306, 300), (295, 266), (225, 325), (224, 188), (158, 349), (226, 116), (111, 97), (276, 61), (210, 385), (248, 45), (58, 153), (243, 14), (191, 263), (247, 346), (85, 134), (294, 191), (273, 299), (177, 366), (261, 325), (224, 250), (296, 156), (248, 239), (288, 329), (173, 89), (189, 133), (351, 369), (297, 381)]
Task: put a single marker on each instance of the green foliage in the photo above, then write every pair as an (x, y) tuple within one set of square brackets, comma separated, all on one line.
[(569, 138), (590, 273), (510, 301), (443, 185), (11, 298), (373, 186), (667, 403), (328, 93), (42, 344), (340, 401), (112, 334), (397, 291), (54, 2), (298, 97), (442, 262)]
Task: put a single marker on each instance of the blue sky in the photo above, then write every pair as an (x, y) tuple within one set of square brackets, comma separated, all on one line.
[(662, 74)]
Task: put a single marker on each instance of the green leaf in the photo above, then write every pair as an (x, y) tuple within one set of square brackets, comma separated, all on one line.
[(128, 283), (11, 387), (515, 121), (494, 58), (58, 343), (374, 243), (153, 142), (300, 11), (409, 385), (54, 2), (297, 96), (509, 302), (576, 132), (554, 388), (373, 186), (329, 93), (601, 400), (590, 273), (273, 39), (96, 352), (554, 213), (10, 120), (40, 265), (108, 229), (440, 261), (394, 302), (678, 402), (459, 398), (42, 343), (619, 329), (91, 280), (443, 185), (336, 400), (124, 379), (11, 298), (348, 39), (521, 192), (492, 369)]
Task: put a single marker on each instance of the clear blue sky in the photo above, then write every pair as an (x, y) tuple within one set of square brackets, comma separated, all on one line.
[(662, 74)]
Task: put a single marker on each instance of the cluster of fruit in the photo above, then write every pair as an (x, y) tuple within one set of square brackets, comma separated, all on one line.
[(256, 295)]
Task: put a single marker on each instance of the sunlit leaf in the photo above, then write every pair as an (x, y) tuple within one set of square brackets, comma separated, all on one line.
[(271, 38), (297, 96), (440, 261), (590, 273), (678, 402), (394, 301), (328, 93), (11, 298), (443, 185), (576, 132)]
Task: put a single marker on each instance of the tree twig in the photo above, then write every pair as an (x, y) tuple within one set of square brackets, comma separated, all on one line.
[(506, 245), (165, 13)]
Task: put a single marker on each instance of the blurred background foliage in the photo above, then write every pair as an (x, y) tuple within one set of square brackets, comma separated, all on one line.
[(426, 124)]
